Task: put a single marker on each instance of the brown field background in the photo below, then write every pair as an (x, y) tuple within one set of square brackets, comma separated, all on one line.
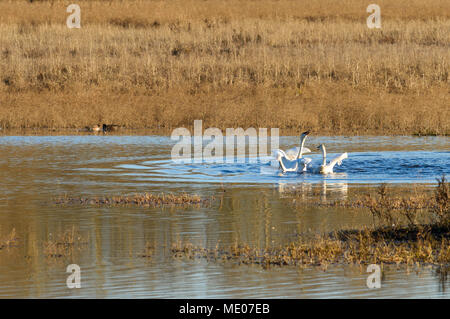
[(290, 64)]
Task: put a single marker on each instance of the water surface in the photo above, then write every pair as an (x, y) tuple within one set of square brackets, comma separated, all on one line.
[(253, 205)]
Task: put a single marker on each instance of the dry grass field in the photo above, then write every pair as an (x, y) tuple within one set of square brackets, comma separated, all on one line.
[(233, 63)]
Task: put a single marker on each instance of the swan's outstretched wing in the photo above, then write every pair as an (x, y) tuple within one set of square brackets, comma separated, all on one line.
[(293, 152), (276, 153), (337, 160), (288, 165)]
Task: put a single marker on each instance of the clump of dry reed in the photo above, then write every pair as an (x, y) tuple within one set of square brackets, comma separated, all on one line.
[(390, 241), (390, 210), (64, 244), (173, 62), (145, 200), (389, 206), (357, 248), (441, 211)]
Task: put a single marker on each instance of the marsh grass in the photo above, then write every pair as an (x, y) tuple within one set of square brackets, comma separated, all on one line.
[(344, 247), (360, 248), (392, 210), (162, 64), (143, 200), (64, 244), (388, 206), (419, 196), (441, 210), (398, 236)]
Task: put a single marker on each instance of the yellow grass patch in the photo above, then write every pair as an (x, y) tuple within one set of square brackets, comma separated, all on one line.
[(287, 64)]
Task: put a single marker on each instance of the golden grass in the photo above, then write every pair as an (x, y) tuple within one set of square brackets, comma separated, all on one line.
[(359, 248), (145, 200), (162, 64)]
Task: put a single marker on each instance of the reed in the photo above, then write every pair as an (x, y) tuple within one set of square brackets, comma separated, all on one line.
[(398, 237), (388, 206), (145, 200), (162, 64), (390, 210), (358, 248)]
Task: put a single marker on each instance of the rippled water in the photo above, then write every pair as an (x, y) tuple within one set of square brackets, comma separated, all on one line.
[(253, 207)]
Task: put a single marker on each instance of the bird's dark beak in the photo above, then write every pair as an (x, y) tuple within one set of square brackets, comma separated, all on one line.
[(306, 133), (318, 147)]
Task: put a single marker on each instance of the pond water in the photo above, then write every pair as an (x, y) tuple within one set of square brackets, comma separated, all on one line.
[(253, 206)]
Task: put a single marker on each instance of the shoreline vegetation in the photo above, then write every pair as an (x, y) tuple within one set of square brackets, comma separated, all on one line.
[(141, 200), (160, 65), (406, 230)]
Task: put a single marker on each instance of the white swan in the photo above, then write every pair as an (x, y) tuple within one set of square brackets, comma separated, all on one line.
[(292, 153), (328, 168), (289, 161)]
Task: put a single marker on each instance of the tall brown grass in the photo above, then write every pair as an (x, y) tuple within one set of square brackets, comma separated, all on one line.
[(287, 64)]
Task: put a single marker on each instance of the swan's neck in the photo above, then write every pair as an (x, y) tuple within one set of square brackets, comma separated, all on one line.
[(302, 142), (324, 156)]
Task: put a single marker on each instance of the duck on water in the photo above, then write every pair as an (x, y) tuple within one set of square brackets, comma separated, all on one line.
[(102, 128)]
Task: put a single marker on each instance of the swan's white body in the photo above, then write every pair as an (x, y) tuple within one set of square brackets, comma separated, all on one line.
[(328, 168), (290, 160), (292, 153)]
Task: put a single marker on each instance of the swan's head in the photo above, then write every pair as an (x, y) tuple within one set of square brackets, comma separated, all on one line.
[(320, 147), (305, 134)]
